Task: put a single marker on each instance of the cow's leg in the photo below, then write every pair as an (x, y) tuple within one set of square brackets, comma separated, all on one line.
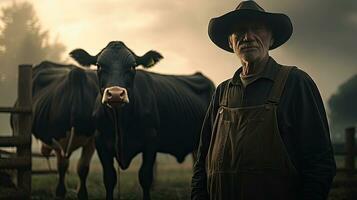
[(106, 154), (147, 166), (146, 173), (154, 174), (83, 168), (62, 167), (46, 150)]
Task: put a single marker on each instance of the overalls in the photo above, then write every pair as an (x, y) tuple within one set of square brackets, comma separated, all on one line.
[(247, 159)]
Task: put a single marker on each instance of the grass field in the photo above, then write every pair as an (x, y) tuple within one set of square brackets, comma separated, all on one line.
[(172, 181)]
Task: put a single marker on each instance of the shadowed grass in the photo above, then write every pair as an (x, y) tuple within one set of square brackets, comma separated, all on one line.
[(172, 180)]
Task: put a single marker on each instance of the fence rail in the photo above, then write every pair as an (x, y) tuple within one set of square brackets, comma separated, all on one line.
[(9, 141), (11, 154), (15, 110), (21, 137), (15, 163), (33, 154)]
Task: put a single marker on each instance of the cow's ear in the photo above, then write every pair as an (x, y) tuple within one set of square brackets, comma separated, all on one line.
[(83, 57), (149, 59)]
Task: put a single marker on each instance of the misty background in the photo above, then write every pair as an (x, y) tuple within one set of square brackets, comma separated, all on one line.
[(323, 42)]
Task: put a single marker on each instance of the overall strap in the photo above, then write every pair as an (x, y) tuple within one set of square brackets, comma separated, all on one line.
[(224, 101), (279, 84)]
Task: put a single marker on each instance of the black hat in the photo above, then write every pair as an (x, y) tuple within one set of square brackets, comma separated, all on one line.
[(220, 28)]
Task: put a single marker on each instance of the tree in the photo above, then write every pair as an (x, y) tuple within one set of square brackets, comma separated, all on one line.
[(343, 109), (22, 40)]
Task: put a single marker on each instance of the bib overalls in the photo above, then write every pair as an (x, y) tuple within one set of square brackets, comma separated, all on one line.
[(247, 159)]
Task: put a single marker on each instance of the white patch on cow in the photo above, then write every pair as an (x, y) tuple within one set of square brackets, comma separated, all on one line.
[(105, 96), (73, 141)]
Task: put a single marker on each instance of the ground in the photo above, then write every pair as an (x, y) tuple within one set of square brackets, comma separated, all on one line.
[(172, 183), (344, 187)]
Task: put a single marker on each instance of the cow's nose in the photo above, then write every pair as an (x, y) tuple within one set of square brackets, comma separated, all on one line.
[(115, 95)]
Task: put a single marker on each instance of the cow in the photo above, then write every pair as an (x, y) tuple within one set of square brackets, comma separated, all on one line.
[(63, 100), (143, 112)]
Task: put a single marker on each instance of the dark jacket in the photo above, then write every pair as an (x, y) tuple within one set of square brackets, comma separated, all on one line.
[(302, 124)]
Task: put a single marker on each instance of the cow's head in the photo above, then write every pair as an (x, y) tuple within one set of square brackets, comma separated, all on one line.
[(116, 66)]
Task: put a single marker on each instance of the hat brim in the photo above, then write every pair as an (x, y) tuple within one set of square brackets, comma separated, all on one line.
[(220, 28)]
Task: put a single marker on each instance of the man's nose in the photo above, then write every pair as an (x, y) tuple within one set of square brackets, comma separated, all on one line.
[(248, 35)]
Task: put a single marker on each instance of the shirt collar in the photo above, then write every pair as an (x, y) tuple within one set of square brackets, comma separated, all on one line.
[(268, 72)]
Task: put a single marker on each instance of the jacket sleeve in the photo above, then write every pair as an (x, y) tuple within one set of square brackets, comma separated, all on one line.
[(317, 163), (199, 178)]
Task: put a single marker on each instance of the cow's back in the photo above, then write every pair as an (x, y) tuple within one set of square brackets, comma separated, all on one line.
[(176, 106), (63, 97)]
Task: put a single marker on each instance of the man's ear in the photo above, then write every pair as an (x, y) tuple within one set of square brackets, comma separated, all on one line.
[(271, 42), (230, 41)]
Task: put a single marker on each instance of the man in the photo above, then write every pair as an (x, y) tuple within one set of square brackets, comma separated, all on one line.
[(265, 135)]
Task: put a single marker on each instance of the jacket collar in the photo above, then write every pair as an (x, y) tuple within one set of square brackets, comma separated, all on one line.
[(269, 72)]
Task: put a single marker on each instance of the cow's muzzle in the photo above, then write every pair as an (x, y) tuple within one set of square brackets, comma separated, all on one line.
[(115, 96)]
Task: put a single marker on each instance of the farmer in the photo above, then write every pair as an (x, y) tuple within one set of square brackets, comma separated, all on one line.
[(265, 135)]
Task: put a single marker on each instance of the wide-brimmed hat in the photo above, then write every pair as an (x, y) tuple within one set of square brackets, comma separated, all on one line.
[(220, 28)]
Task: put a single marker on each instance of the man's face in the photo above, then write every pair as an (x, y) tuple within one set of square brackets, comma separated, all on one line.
[(251, 41)]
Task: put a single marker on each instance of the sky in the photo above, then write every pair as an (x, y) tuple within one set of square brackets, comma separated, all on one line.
[(323, 42)]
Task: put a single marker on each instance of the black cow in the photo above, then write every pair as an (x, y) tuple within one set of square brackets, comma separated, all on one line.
[(143, 112), (63, 101)]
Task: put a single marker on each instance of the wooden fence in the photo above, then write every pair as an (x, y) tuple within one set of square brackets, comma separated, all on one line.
[(21, 138), (348, 150)]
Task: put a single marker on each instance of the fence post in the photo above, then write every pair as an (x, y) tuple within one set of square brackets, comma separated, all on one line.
[(24, 93), (350, 148)]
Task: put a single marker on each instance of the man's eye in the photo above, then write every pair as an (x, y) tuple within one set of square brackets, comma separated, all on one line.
[(99, 69)]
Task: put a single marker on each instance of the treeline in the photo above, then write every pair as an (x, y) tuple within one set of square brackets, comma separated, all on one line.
[(22, 40)]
